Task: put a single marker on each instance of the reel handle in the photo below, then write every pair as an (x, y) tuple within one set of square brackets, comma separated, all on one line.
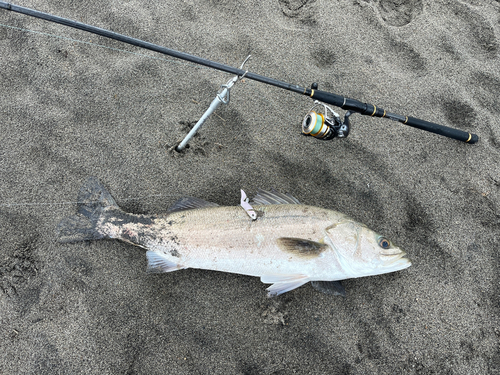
[(372, 110)]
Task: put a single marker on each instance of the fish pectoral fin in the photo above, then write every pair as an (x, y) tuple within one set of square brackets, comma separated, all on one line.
[(301, 247), (157, 263), (283, 283), (334, 288), (190, 203)]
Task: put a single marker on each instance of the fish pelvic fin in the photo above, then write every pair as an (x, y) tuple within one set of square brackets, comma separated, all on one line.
[(334, 288), (93, 201)]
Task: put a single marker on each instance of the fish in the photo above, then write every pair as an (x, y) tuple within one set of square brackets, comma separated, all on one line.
[(275, 237)]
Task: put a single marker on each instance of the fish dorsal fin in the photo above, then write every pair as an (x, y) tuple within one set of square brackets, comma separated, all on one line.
[(190, 203), (301, 247), (334, 288), (273, 197)]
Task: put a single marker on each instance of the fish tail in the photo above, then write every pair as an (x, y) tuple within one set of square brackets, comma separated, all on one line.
[(93, 201)]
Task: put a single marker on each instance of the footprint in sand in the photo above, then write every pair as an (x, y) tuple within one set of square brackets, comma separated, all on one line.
[(460, 18), (15, 271), (292, 7), (399, 12), (476, 34)]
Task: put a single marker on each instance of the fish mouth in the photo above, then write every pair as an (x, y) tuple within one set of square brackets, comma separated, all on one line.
[(396, 260)]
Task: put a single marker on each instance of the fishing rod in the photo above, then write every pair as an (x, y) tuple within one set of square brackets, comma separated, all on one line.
[(315, 123)]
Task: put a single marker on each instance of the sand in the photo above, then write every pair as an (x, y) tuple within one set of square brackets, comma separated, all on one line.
[(70, 109)]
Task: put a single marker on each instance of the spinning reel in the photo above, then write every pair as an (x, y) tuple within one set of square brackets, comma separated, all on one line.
[(325, 126)]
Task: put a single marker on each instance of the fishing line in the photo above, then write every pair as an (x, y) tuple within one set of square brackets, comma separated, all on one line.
[(133, 53), (73, 203), (100, 45), (262, 95)]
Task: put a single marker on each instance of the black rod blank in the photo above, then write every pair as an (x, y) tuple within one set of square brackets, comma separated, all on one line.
[(323, 96)]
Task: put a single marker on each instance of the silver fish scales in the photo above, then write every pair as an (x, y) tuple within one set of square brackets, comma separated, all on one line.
[(288, 245)]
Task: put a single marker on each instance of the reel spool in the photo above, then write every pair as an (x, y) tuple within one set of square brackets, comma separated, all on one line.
[(314, 125), (325, 126)]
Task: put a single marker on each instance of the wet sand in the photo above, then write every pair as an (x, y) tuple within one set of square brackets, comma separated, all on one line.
[(70, 109)]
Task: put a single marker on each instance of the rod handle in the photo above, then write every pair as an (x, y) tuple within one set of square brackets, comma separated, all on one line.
[(459, 135)]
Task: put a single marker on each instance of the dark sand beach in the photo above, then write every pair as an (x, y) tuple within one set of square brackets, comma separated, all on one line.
[(74, 105)]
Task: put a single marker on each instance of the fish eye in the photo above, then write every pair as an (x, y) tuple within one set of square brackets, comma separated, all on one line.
[(384, 243)]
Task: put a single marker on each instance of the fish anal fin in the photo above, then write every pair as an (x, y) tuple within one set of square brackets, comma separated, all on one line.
[(157, 263), (273, 197), (283, 283), (334, 288), (280, 288), (301, 247), (190, 203)]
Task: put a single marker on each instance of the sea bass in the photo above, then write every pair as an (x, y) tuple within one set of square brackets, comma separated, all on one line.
[(274, 237)]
